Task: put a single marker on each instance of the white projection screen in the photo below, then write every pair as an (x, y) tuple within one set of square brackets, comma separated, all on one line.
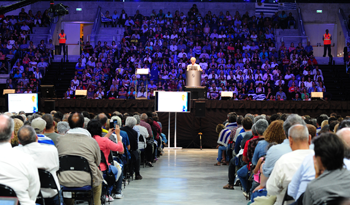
[(172, 101)]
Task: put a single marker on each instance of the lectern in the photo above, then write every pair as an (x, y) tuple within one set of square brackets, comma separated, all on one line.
[(193, 78), (193, 84)]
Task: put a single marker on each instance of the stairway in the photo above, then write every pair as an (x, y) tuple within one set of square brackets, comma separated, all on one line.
[(60, 75), (336, 81), (110, 34), (40, 33)]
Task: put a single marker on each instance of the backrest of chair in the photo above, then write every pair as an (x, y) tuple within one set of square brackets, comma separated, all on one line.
[(47, 180), (7, 191), (74, 163)]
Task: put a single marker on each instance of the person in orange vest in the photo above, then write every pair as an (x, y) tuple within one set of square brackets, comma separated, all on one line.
[(62, 38), (327, 38)]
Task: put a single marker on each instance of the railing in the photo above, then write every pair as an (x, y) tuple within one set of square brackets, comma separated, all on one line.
[(307, 37), (95, 27), (45, 37), (113, 37), (301, 23)]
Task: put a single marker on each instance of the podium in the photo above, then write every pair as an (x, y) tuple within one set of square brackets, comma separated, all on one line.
[(193, 78), (193, 84)]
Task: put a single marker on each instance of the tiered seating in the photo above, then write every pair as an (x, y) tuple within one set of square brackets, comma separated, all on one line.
[(237, 53), (25, 61)]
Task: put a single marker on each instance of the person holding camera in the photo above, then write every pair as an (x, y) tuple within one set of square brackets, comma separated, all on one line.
[(106, 146)]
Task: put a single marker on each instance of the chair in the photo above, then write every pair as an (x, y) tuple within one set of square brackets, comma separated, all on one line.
[(77, 163), (287, 198), (7, 191), (48, 182)]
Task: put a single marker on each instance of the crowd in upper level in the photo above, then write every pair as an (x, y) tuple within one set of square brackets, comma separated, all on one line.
[(237, 53), (20, 57)]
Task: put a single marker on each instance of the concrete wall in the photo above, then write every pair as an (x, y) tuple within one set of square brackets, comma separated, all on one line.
[(328, 15)]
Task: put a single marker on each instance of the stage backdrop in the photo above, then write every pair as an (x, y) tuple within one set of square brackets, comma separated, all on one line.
[(188, 124)]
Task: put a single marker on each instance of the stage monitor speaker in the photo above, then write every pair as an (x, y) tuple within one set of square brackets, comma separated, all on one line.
[(199, 108), (49, 106)]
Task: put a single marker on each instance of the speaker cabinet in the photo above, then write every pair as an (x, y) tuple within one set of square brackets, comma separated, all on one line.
[(199, 108), (49, 106)]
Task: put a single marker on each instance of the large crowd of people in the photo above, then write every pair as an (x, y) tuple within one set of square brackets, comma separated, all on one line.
[(237, 52), (25, 62), (113, 144), (286, 157)]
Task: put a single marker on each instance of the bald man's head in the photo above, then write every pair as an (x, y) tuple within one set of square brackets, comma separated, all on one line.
[(76, 120), (102, 118), (26, 135), (144, 116), (6, 128), (344, 134)]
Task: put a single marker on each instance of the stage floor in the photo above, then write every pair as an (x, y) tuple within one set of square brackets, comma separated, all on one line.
[(185, 176)]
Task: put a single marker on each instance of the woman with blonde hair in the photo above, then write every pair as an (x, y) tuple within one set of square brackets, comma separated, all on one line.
[(18, 124)]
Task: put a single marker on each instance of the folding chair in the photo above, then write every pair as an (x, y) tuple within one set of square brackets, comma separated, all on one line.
[(77, 163), (287, 198), (48, 182), (7, 191)]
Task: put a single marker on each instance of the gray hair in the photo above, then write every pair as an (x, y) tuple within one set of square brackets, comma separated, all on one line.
[(254, 130), (261, 125), (130, 122), (298, 132), (65, 117), (137, 117), (258, 118), (7, 128), (250, 116), (86, 122), (144, 116), (291, 120), (62, 127), (26, 135), (345, 135), (324, 116), (119, 121)]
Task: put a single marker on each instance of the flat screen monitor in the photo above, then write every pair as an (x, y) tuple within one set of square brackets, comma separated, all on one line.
[(27, 102), (8, 201), (172, 101)]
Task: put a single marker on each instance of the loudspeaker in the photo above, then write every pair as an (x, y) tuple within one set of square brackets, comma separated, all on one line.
[(199, 108), (49, 106)]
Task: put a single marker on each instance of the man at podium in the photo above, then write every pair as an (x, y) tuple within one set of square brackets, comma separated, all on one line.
[(193, 65)]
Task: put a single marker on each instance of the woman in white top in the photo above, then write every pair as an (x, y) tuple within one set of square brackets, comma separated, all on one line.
[(222, 35), (142, 93), (257, 75), (174, 36), (166, 35), (308, 83), (75, 81), (203, 64)]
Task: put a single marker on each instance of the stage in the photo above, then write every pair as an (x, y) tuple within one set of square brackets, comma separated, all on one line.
[(188, 125)]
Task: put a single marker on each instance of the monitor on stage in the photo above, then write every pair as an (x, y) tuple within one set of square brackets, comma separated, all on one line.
[(27, 102), (172, 101)]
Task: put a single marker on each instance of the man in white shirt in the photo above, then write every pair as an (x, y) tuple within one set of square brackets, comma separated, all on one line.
[(25, 27), (18, 170), (37, 74), (181, 54), (288, 164), (173, 47), (45, 157)]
